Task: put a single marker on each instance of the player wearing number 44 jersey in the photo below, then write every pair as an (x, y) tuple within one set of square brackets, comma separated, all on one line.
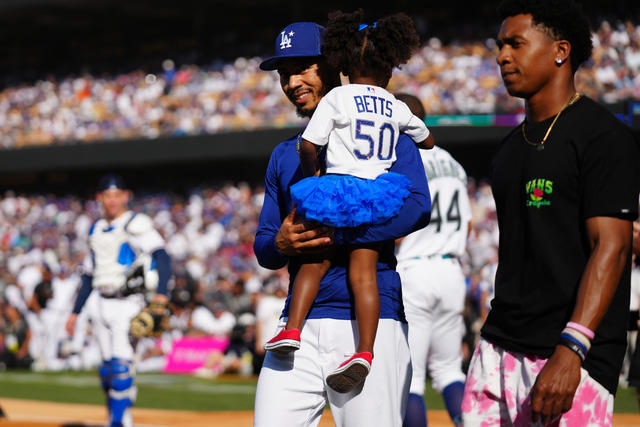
[(433, 284)]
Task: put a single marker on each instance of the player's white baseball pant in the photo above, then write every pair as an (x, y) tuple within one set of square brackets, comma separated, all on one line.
[(37, 341), (112, 332), (53, 322), (433, 292), (115, 316), (292, 389)]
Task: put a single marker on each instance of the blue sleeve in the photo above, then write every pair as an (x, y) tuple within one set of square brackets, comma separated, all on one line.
[(415, 212), (83, 294), (270, 221), (163, 265)]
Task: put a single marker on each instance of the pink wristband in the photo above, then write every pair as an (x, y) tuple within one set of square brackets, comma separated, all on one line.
[(583, 329)]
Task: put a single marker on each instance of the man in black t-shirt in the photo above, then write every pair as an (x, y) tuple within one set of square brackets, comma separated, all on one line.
[(566, 188)]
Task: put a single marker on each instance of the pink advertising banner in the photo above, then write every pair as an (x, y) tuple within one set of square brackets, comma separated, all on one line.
[(190, 353)]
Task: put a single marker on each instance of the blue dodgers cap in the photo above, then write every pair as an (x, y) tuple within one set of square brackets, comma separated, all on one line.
[(111, 182), (299, 39)]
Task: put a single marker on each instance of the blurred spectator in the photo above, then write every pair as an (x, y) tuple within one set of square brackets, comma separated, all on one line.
[(211, 320), (268, 309), (64, 285), (14, 338), (239, 355), (234, 297), (457, 78), (218, 287)]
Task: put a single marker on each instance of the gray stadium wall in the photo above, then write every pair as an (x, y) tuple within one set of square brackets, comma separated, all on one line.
[(181, 162), (215, 147)]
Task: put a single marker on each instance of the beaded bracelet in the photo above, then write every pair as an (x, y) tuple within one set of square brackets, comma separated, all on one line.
[(582, 329), (573, 346)]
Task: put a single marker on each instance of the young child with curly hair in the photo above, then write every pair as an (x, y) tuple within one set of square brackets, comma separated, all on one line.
[(358, 124)]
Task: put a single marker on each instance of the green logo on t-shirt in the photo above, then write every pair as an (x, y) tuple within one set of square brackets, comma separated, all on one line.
[(536, 190)]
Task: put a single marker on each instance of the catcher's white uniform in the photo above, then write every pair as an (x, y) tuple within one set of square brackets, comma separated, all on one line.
[(433, 284), (117, 247)]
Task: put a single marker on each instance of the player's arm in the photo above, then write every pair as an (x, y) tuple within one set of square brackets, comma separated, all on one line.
[(162, 261), (278, 236), (146, 239), (610, 240), (316, 134), (415, 128), (81, 298), (415, 212), (152, 320), (264, 245), (309, 158), (428, 143)]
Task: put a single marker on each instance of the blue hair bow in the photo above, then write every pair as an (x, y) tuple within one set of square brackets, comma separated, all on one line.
[(363, 26)]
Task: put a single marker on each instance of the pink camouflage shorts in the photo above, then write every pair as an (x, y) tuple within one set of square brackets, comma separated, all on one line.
[(497, 392)]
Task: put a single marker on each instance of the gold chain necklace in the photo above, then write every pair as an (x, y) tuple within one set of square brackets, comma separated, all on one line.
[(540, 145)]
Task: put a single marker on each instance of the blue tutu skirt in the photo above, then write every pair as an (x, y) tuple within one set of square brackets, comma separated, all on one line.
[(348, 201)]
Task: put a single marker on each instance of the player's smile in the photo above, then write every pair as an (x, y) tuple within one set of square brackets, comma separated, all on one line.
[(303, 96), (301, 83), (300, 96)]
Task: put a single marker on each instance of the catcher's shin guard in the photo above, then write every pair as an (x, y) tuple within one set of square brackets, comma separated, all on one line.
[(122, 393), (105, 375)]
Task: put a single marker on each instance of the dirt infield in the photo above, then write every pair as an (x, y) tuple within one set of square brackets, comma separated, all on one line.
[(22, 413), (30, 413)]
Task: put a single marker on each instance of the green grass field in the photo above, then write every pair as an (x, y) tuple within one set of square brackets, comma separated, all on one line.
[(178, 391)]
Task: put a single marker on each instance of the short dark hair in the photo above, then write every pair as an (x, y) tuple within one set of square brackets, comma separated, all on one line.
[(414, 104), (564, 20), (43, 292)]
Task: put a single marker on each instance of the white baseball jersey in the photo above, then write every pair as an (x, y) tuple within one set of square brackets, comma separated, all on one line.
[(116, 245), (268, 315), (204, 320), (361, 124), (446, 233), (64, 290), (433, 284)]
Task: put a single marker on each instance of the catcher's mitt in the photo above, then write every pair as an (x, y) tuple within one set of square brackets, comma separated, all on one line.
[(151, 321)]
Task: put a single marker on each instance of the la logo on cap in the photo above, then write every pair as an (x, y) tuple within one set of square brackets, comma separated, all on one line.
[(285, 40)]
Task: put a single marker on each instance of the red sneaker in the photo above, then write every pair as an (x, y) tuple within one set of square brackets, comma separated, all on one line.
[(285, 342), (351, 372)]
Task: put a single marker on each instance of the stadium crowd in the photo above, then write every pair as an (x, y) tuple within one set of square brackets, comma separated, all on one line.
[(453, 78), (219, 290)]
